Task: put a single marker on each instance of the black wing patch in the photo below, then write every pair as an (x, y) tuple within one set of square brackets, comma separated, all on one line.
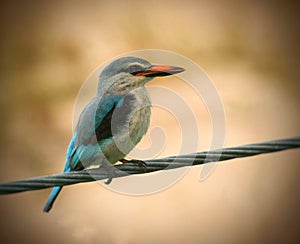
[(119, 113)]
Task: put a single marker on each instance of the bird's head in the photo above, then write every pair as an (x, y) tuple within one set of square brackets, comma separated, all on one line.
[(127, 73)]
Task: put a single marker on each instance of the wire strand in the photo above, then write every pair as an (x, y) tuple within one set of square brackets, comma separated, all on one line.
[(153, 165)]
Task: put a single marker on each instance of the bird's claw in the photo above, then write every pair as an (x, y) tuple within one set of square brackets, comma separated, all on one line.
[(140, 163), (110, 174), (109, 180)]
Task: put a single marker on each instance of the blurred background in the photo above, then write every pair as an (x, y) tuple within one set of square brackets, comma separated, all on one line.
[(250, 50)]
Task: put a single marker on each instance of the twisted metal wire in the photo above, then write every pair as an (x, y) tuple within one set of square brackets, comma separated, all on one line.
[(152, 165)]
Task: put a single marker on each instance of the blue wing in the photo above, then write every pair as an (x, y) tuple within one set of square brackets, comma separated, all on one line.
[(93, 126)]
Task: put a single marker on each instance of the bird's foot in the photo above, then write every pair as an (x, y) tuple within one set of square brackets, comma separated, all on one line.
[(110, 173), (140, 163)]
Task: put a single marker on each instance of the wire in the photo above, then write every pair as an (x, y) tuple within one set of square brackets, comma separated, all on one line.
[(152, 165)]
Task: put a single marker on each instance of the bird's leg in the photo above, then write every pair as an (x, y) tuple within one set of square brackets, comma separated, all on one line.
[(140, 163), (110, 169)]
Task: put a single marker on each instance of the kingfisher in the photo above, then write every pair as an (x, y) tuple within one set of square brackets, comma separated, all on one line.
[(116, 118)]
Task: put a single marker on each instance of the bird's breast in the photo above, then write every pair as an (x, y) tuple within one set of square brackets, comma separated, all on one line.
[(132, 116)]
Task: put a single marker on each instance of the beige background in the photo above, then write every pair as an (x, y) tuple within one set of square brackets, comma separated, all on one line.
[(248, 48)]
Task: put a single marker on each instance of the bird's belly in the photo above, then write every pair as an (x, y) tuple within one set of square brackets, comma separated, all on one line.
[(129, 125), (139, 124)]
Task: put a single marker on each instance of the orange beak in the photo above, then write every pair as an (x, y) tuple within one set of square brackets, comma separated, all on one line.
[(160, 70)]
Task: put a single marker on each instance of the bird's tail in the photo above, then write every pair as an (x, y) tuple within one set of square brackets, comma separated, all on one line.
[(55, 191), (52, 198)]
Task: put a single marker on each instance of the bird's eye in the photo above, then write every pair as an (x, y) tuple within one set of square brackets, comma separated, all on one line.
[(134, 69)]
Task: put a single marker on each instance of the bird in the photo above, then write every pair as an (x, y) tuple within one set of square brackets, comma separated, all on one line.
[(115, 119)]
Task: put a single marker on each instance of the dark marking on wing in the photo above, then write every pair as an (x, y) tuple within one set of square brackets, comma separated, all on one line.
[(119, 113), (78, 165), (116, 119), (103, 131)]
